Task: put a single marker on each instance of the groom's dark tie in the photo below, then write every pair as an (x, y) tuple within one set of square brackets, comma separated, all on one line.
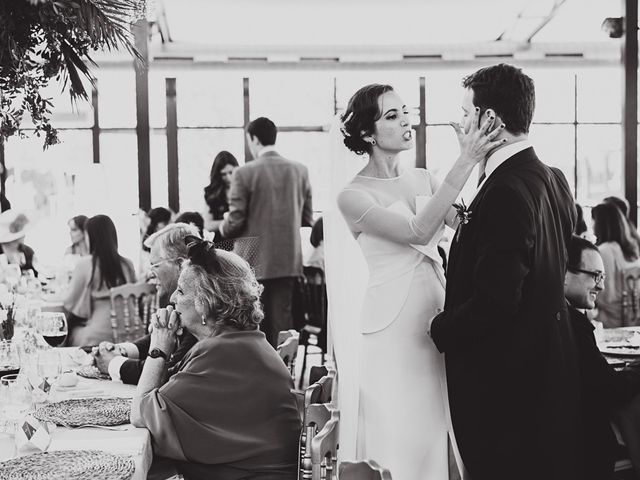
[(482, 177)]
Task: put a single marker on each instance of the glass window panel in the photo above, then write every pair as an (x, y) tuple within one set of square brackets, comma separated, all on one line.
[(158, 98), (209, 99), (554, 145), (117, 97), (444, 94), (292, 99), (115, 189), (196, 150), (159, 169), (46, 184), (600, 95), (555, 94), (600, 166)]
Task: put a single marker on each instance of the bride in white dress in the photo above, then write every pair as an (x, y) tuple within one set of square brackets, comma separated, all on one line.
[(397, 219)]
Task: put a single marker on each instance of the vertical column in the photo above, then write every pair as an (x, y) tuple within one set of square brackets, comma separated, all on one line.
[(172, 145), (141, 34), (95, 129), (3, 175), (421, 130), (630, 105), (247, 118), (575, 135)]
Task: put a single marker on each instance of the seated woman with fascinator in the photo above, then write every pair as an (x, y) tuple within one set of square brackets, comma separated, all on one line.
[(229, 412)]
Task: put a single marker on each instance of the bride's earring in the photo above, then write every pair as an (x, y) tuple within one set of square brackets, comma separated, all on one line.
[(203, 322), (373, 141)]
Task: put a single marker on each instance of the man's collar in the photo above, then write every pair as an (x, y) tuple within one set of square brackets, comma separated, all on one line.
[(501, 155), (267, 149)]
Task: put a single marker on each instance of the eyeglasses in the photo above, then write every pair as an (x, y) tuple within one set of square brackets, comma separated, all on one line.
[(160, 262), (597, 275)]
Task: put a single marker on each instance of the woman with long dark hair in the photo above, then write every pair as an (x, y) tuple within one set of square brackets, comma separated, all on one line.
[(619, 250), (216, 194), (87, 301)]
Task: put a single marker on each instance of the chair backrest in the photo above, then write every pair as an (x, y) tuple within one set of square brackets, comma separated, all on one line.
[(132, 305), (315, 418), (284, 334), (363, 470), (319, 392), (324, 450), (288, 352), (316, 373), (631, 296)]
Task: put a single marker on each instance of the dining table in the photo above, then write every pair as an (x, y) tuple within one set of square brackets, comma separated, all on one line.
[(122, 439)]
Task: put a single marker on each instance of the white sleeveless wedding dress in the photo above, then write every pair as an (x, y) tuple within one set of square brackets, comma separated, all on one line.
[(402, 392)]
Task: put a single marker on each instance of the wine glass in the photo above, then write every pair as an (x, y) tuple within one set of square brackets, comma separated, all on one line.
[(9, 358), (53, 327), (15, 393)]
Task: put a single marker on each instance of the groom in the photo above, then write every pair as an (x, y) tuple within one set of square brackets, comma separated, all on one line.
[(511, 362)]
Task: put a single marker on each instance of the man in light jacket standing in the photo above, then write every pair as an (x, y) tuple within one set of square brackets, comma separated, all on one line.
[(270, 200)]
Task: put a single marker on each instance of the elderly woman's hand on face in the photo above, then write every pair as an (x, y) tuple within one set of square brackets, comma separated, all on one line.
[(165, 323)]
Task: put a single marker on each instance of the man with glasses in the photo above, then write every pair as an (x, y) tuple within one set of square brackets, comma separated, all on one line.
[(603, 389), (124, 361)]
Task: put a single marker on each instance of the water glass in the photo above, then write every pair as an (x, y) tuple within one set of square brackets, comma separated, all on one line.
[(15, 396)]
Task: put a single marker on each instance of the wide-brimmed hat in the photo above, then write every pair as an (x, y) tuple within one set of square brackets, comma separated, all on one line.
[(13, 225)]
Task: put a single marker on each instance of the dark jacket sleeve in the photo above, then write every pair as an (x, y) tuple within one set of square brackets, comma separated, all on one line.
[(505, 240), (131, 370), (142, 344), (603, 385)]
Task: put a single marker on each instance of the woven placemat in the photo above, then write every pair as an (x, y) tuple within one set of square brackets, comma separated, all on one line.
[(68, 465), (86, 411), (91, 371)]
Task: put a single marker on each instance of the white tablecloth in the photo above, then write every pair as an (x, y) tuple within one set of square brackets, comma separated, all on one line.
[(131, 440)]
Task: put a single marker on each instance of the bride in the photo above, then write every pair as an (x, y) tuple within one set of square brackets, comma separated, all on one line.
[(391, 374)]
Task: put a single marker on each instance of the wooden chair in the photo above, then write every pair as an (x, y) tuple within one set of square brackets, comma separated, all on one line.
[(316, 417), (132, 305), (284, 334), (316, 373), (630, 296), (324, 451), (319, 392), (288, 352), (363, 470), (315, 327)]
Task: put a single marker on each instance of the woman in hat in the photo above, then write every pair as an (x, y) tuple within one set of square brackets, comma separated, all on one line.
[(13, 225)]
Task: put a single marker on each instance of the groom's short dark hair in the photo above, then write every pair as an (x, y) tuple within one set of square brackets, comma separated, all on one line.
[(508, 91), (577, 245)]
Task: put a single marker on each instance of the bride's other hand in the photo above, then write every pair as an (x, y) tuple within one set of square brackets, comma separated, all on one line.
[(480, 140)]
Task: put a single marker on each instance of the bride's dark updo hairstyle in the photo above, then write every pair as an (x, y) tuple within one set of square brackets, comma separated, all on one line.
[(360, 116)]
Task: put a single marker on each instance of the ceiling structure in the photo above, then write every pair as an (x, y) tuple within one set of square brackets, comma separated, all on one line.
[(360, 31)]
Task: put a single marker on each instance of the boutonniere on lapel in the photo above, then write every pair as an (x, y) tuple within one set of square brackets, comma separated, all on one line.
[(463, 214)]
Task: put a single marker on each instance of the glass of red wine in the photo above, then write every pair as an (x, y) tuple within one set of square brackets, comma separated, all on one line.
[(9, 358), (53, 327)]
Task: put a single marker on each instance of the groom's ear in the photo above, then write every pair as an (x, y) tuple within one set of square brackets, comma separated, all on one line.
[(489, 112)]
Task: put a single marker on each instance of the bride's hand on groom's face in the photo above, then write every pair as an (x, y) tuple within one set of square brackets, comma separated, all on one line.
[(481, 138)]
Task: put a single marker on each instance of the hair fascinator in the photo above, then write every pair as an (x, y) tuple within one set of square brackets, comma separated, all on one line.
[(343, 125), (202, 253)]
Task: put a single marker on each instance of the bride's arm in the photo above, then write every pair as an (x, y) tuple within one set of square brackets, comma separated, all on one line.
[(450, 219), (364, 215)]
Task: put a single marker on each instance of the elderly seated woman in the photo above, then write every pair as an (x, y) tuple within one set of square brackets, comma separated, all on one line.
[(229, 412)]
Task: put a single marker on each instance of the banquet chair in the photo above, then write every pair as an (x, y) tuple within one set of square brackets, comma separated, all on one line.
[(317, 372), (315, 306), (324, 451), (284, 334), (316, 417), (363, 470), (630, 296), (132, 305), (319, 392), (288, 351)]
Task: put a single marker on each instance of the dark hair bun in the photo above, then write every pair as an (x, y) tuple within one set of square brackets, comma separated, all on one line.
[(203, 253)]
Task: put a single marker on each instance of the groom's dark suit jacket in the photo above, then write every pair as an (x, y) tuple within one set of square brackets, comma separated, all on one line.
[(510, 355)]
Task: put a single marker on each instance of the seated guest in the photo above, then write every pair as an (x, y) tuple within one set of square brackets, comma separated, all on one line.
[(602, 388), (229, 412), (87, 303), (124, 361), (76, 232), (620, 251), (216, 194), (192, 218), (13, 226), (623, 206)]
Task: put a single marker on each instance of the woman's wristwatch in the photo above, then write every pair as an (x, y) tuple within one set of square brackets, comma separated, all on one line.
[(157, 353)]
